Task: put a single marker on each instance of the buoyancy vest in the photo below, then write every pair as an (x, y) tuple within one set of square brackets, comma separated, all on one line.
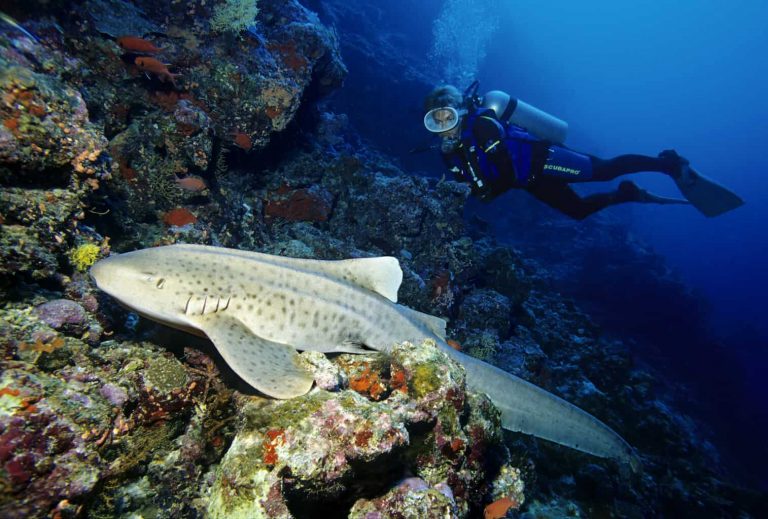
[(490, 156)]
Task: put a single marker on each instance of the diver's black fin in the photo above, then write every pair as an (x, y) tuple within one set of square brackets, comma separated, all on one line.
[(706, 195)]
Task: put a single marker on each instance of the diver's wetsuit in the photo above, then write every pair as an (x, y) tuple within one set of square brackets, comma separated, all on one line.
[(556, 193), (494, 159)]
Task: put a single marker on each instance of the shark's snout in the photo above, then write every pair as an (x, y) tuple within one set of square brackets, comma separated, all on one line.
[(97, 271), (107, 272), (102, 270)]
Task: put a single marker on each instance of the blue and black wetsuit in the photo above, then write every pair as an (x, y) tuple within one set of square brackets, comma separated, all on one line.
[(493, 157)]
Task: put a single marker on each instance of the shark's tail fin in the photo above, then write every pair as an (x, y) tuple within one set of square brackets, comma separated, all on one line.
[(531, 410)]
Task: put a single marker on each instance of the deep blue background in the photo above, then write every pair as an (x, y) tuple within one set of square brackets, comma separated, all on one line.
[(638, 77), (644, 76)]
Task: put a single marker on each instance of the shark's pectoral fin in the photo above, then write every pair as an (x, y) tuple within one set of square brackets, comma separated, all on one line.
[(274, 369), (352, 346)]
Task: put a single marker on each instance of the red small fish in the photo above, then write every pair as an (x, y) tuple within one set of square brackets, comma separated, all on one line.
[(192, 183), (456, 345), (499, 508), (156, 67), (242, 140), (136, 44)]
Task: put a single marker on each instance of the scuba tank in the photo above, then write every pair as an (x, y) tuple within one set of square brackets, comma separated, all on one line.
[(520, 113), (517, 112)]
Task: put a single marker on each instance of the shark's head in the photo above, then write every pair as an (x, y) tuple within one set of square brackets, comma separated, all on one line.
[(144, 282)]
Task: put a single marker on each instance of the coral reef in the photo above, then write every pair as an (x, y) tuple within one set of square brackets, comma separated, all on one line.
[(76, 422), (331, 443), (105, 415)]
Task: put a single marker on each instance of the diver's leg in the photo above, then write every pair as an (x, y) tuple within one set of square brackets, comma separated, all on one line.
[(562, 197), (608, 169)]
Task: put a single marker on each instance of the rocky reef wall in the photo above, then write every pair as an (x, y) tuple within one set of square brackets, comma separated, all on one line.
[(192, 131)]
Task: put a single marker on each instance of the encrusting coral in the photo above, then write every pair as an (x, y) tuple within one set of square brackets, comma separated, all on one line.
[(234, 15), (422, 423), (84, 256)]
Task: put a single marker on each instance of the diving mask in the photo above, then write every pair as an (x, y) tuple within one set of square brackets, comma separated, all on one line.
[(443, 119)]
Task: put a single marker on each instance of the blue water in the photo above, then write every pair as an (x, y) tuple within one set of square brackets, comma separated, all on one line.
[(634, 77), (640, 77)]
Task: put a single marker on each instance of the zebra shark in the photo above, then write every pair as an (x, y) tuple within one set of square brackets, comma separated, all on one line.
[(258, 309)]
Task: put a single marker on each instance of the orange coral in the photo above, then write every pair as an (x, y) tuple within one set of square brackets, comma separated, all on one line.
[(367, 382), (37, 110), (296, 62), (363, 437), (291, 57), (84, 161), (167, 100), (24, 96), (127, 172), (179, 217), (275, 438), (457, 445), (299, 205), (398, 380), (40, 346)]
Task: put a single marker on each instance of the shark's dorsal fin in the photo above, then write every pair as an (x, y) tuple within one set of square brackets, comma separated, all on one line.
[(381, 274), (274, 369), (435, 324)]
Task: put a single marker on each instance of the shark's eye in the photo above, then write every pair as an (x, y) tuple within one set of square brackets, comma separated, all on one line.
[(160, 283)]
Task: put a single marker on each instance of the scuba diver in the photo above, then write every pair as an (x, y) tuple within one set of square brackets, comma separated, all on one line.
[(495, 143)]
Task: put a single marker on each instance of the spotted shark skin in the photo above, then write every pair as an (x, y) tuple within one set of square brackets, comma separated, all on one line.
[(258, 309)]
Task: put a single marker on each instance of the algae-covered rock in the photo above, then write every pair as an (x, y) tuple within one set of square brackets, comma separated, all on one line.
[(47, 132), (327, 448), (63, 314), (411, 498), (45, 430), (164, 374), (52, 157)]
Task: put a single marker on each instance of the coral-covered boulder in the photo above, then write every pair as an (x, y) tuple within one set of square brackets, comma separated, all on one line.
[(63, 315), (413, 497), (329, 448), (45, 130), (52, 156), (46, 452)]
